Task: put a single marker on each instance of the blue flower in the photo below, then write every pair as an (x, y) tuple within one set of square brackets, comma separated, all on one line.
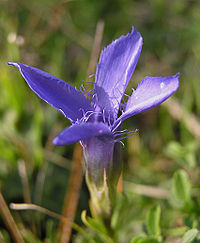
[(95, 121)]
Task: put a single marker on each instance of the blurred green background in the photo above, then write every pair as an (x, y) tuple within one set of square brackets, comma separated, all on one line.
[(57, 36)]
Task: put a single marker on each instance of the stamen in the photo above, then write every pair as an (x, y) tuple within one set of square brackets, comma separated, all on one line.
[(123, 103), (82, 89), (109, 123), (85, 115), (120, 131), (85, 92), (103, 114), (122, 107), (126, 95), (122, 144), (90, 91), (91, 75), (89, 82), (116, 126), (88, 114), (94, 100), (119, 139), (81, 109)]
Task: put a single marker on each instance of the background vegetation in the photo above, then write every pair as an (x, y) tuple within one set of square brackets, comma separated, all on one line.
[(161, 189)]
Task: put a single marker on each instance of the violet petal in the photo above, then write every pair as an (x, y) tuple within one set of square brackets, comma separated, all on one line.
[(55, 91), (115, 68), (81, 131), (151, 92)]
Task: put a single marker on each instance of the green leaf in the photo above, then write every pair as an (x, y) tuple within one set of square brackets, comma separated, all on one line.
[(143, 240), (189, 236), (135, 240), (97, 226), (181, 185), (183, 155), (93, 224), (153, 220)]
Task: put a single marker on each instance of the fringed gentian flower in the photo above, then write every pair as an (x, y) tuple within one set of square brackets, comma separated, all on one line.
[(94, 118)]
